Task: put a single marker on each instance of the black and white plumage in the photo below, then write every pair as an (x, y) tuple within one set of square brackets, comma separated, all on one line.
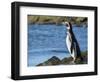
[(72, 44)]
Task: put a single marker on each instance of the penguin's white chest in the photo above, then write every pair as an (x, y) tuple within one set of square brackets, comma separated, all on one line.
[(69, 44)]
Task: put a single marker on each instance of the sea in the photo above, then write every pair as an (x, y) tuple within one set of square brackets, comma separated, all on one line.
[(48, 40)]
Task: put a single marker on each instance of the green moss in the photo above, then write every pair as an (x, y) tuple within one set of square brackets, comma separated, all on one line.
[(84, 58)]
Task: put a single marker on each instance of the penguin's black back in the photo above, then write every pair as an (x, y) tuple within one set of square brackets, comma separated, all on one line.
[(75, 43)]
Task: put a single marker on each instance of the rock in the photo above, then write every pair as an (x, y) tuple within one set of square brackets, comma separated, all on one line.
[(79, 61), (78, 21), (52, 61), (41, 64), (67, 60), (56, 61)]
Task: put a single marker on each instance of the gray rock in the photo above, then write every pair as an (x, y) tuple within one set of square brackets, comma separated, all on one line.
[(52, 61), (66, 60)]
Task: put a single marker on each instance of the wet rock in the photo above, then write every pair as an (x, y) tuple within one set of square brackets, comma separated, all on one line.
[(67, 60), (52, 61)]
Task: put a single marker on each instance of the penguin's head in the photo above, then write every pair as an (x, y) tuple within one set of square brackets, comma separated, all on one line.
[(68, 25)]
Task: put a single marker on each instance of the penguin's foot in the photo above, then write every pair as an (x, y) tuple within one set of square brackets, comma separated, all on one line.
[(79, 61), (72, 62)]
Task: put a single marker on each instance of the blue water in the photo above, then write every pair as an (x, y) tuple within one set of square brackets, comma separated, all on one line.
[(45, 41)]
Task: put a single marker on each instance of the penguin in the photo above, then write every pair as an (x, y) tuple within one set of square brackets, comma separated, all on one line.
[(72, 43)]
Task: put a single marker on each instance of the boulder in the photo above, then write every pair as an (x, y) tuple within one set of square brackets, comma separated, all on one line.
[(52, 61), (67, 60)]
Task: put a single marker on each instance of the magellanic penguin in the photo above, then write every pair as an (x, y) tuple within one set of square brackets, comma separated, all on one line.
[(72, 44)]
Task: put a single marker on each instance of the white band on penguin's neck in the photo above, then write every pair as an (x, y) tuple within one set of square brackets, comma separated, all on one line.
[(68, 27)]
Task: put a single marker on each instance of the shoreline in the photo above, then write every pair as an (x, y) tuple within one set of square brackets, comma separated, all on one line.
[(65, 61), (73, 25), (40, 19)]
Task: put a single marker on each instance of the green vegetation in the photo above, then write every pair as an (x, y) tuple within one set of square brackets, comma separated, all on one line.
[(36, 19), (84, 57)]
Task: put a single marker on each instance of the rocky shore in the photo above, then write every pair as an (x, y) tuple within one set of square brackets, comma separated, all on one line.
[(77, 21), (65, 61)]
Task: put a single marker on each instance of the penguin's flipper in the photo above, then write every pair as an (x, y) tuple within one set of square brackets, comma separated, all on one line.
[(72, 45), (75, 48)]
